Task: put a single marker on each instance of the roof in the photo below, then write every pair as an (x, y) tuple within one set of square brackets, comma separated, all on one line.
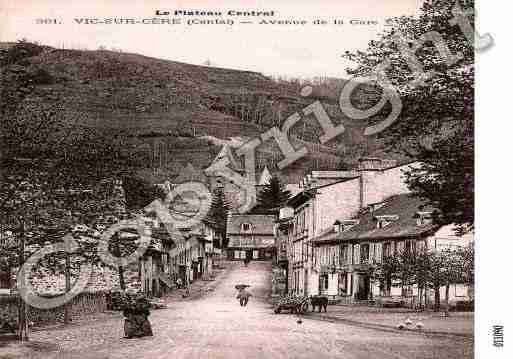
[(293, 188), (190, 173), (261, 223), (265, 177), (404, 206), (226, 152), (301, 197)]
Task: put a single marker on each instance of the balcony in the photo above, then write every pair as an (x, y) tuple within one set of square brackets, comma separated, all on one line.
[(213, 251), (363, 266)]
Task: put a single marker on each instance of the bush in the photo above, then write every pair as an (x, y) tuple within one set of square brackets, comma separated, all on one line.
[(19, 52), (116, 301), (42, 77)]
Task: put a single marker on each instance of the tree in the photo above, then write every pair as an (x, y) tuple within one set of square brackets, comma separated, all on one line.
[(384, 273), (422, 277), (218, 214), (52, 183), (446, 178), (54, 174), (273, 196), (467, 263), (437, 119), (427, 270), (139, 193)]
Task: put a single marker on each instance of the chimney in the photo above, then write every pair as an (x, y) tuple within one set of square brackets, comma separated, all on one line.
[(369, 167), (337, 226)]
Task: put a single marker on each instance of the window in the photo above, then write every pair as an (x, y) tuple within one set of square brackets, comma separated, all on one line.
[(424, 218), (364, 253), (382, 223), (421, 246), (342, 286), (323, 282), (345, 254), (387, 249), (407, 247), (385, 220)]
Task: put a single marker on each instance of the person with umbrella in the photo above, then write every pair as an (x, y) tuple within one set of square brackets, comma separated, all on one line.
[(243, 295), (136, 313)]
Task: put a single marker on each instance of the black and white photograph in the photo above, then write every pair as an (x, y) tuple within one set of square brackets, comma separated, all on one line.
[(242, 179)]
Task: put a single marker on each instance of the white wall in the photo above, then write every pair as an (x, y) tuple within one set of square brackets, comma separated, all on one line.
[(338, 201), (446, 238), (333, 284), (380, 185), (313, 280), (342, 200)]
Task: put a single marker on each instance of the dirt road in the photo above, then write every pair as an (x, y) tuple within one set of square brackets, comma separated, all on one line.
[(216, 326)]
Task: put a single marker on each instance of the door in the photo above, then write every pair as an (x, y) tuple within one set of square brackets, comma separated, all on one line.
[(182, 273), (305, 281), (323, 284), (363, 287), (200, 267), (194, 270)]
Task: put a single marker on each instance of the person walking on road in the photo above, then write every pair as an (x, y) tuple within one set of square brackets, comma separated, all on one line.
[(136, 313), (243, 297)]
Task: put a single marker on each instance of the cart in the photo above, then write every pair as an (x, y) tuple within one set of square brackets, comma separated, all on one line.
[(295, 304)]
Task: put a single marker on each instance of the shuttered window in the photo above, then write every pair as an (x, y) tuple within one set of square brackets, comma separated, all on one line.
[(379, 252), (356, 254)]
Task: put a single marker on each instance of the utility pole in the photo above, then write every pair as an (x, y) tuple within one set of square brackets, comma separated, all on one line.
[(22, 308), (67, 275)]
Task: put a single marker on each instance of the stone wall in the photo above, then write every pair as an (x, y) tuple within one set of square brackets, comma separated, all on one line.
[(83, 304)]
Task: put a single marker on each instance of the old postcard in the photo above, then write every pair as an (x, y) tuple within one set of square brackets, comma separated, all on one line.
[(238, 179)]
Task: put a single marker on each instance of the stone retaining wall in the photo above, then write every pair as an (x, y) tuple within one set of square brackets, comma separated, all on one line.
[(80, 306)]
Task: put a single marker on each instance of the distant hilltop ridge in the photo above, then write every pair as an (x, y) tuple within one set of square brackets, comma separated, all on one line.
[(192, 109), (214, 13)]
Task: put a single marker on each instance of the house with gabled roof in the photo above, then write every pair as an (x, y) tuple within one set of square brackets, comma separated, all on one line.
[(250, 236), (325, 197), (346, 253)]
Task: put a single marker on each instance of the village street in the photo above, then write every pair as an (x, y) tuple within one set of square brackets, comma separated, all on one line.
[(216, 326)]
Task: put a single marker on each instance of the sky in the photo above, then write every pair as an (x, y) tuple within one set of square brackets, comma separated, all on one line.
[(287, 50)]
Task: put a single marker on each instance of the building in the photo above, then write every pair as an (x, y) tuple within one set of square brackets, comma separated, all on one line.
[(250, 236), (281, 231), (345, 255), (187, 254), (328, 196), (7, 245), (180, 250)]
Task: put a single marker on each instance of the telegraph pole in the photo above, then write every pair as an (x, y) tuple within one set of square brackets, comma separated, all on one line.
[(67, 316), (22, 308)]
